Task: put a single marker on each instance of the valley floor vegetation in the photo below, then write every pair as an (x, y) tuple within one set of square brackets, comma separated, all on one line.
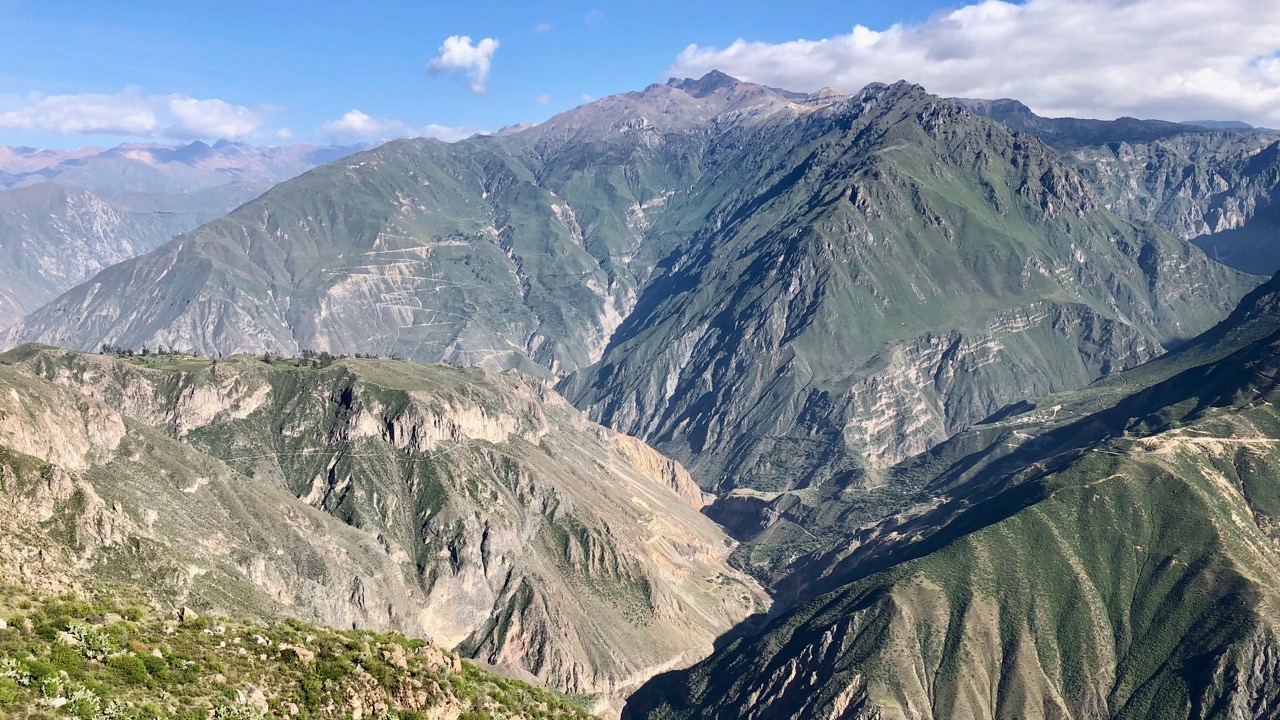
[(96, 658)]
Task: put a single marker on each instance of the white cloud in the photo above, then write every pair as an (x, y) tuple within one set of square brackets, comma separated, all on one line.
[(196, 119), (356, 126), (457, 55), (1174, 59), (543, 28), (595, 19), (131, 114), (126, 113), (543, 99)]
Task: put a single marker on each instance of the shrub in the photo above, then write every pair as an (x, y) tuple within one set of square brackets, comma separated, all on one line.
[(13, 669), (131, 668), (67, 658), (156, 667), (116, 710), (8, 691), (83, 703)]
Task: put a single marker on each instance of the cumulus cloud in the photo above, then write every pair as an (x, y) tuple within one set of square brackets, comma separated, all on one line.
[(458, 56), (195, 119), (357, 126), (126, 113), (1174, 59), (130, 113)]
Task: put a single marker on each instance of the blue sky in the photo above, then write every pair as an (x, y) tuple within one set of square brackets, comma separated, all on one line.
[(78, 72), (303, 64)]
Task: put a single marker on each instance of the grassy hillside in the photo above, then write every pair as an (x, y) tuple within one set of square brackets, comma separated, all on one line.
[(70, 656)]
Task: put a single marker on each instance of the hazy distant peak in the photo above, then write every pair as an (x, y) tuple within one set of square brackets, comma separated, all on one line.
[(705, 85), (161, 169), (826, 94), (513, 129)]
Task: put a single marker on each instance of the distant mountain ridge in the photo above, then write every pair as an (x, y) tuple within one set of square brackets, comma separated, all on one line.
[(162, 169), (1216, 184), (66, 215)]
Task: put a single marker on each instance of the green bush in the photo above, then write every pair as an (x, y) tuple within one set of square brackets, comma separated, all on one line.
[(156, 667), (65, 657), (83, 703), (236, 712), (131, 668), (8, 691), (94, 644)]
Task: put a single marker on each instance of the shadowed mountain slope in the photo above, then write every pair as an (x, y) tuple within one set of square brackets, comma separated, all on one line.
[(1074, 563)]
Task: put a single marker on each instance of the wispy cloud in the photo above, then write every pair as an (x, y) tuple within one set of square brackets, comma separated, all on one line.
[(543, 99), (130, 113), (595, 19), (1176, 59), (357, 126), (459, 57), (543, 28)]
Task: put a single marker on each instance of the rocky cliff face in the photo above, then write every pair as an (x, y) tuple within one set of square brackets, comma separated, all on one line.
[(1216, 187), (1217, 190), (53, 238), (481, 511)]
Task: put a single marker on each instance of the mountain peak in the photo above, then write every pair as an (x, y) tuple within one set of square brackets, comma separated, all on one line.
[(707, 84)]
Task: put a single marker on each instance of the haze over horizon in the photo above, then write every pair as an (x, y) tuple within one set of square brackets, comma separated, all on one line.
[(82, 75)]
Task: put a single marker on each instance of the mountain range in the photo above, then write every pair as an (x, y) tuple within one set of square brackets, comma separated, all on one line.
[(739, 275), (758, 404), (1218, 186)]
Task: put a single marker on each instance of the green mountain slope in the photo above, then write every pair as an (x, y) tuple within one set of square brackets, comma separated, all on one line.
[(799, 539), (523, 251), (481, 511), (1075, 561), (883, 274)]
